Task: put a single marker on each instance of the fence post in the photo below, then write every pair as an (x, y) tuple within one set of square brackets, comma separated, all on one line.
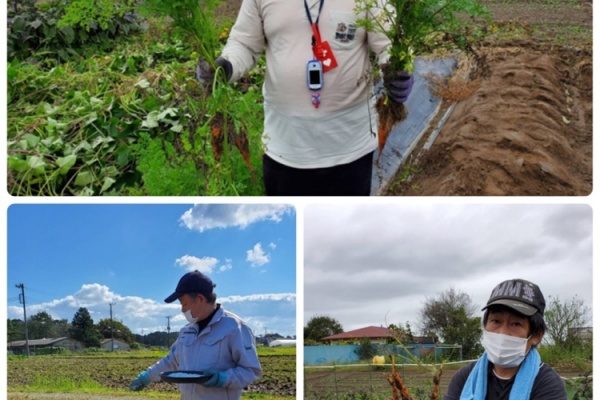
[(335, 381)]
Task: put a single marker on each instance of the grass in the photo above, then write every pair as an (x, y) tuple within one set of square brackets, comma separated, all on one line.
[(110, 373), (44, 383)]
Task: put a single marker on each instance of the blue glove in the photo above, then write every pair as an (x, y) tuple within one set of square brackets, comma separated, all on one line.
[(217, 378), (399, 87), (142, 380)]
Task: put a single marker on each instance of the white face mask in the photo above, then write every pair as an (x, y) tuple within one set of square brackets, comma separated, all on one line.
[(504, 350), (188, 315)]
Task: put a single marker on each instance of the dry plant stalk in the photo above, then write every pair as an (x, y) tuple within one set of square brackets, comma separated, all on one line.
[(399, 389), (435, 390)]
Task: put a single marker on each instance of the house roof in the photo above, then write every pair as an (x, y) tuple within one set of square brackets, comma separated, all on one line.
[(369, 332), (37, 342)]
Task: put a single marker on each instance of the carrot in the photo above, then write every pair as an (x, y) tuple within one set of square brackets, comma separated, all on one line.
[(217, 136)]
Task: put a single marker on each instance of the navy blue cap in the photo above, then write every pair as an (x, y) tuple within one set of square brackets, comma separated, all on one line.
[(192, 282)]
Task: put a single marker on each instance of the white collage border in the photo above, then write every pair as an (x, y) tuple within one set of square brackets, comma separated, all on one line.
[(300, 205)]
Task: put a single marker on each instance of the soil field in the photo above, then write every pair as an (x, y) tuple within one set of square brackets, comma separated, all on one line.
[(328, 384), (279, 373), (527, 128)]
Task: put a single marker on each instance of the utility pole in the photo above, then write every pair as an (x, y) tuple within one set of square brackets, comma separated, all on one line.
[(168, 329), (112, 339), (22, 301)]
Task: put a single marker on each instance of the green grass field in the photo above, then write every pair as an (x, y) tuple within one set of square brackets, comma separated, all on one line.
[(106, 373)]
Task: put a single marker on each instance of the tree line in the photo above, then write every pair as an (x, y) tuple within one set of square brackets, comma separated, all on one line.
[(82, 328), (451, 318)]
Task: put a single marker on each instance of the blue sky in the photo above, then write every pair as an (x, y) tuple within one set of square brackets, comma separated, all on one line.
[(71, 256)]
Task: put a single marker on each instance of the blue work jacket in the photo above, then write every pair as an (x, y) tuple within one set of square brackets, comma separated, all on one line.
[(226, 344)]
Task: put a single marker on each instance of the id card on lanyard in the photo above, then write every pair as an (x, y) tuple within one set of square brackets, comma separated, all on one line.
[(321, 49)]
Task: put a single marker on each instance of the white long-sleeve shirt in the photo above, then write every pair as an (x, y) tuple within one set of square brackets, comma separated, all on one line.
[(225, 344), (296, 134)]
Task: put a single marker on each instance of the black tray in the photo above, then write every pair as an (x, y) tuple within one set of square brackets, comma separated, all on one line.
[(184, 376)]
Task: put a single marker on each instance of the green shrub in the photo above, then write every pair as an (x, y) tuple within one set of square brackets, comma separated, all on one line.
[(366, 350), (58, 28), (582, 388), (94, 14), (576, 357)]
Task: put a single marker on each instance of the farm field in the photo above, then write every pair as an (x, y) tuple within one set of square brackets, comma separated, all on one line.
[(370, 383), (527, 129), (108, 376), (127, 117)]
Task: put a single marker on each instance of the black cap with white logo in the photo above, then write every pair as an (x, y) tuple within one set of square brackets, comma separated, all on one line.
[(520, 295)]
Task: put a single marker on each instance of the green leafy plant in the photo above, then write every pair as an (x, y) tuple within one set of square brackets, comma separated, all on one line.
[(221, 102), (415, 27), (129, 121), (94, 14), (58, 29), (195, 19)]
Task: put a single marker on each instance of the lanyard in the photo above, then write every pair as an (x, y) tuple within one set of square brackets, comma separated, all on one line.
[(321, 2), (314, 25)]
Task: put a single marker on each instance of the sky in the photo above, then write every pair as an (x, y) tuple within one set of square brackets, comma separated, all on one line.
[(378, 264), (71, 256)]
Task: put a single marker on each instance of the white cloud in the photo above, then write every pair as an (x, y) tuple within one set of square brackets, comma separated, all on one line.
[(286, 297), (256, 256), (272, 246), (422, 250), (226, 266), (205, 265), (276, 311), (211, 216)]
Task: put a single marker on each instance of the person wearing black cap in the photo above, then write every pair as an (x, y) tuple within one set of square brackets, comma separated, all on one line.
[(215, 341), (510, 367)]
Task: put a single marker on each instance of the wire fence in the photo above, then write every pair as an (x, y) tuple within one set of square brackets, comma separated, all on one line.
[(368, 381)]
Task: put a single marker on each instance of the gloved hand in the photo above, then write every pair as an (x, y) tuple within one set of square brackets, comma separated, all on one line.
[(205, 74), (217, 379), (142, 380), (399, 87)]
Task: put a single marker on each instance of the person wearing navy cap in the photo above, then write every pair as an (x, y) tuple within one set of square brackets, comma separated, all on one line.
[(510, 367), (215, 341)]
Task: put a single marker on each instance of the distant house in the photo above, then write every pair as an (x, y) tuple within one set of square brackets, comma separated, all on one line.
[(374, 333), (283, 343), (107, 344), (425, 339), (268, 338), (585, 333), (18, 346)]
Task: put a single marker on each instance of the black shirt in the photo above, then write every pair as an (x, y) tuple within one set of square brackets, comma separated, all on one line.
[(203, 323), (547, 385)]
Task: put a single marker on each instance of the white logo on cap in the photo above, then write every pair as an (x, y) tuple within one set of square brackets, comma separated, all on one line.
[(528, 293), (507, 289)]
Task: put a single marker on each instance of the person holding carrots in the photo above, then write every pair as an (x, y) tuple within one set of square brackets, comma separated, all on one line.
[(319, 128)]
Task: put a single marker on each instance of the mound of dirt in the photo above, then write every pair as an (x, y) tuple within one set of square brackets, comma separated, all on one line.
[(527, 130)]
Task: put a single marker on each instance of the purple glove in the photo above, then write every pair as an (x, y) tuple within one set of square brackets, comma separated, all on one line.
[(399, 87)]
